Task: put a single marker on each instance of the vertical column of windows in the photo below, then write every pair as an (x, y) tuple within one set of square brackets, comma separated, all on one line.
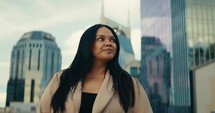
[(23, 56), (210, 31), (179, 53), (197, 35), (192, 34), (212, 46), (201, 31), (17, 64), (58, 60), (30, 54), (38, 61), (46, 65), (12, 64), (32, 90), (207, 33), (52, 64)]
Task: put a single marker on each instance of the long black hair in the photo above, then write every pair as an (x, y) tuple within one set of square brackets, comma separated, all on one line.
[(81, 65)]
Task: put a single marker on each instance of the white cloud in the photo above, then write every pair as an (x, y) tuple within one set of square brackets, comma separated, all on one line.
[(70, 47), (43, 15)]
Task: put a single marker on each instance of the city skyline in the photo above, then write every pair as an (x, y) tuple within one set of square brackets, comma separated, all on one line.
[(64, 20)]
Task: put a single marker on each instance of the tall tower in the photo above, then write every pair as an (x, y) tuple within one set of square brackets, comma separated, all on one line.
[(126, 30), (186, 28), (193, 35), (156, 53), (34, 60)]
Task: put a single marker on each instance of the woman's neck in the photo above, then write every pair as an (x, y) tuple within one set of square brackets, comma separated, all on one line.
[(94, 79), (98, 71)]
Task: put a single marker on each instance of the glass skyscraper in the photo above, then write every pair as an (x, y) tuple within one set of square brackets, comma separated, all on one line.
[(190, 26), (156, 53), (193, 36), (34, 60)]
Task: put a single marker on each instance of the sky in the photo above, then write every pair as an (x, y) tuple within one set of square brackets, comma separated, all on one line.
[(66, 20)]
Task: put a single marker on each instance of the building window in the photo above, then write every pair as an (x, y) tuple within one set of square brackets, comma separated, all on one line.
[(46, 65), (32, 90), (29, 66), (38, 62), (17, 63), (52, 64), (134, 71), (150, 67), (23, 56), (33, 108)]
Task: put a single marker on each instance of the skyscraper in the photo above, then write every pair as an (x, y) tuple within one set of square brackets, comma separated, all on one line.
[(156, 53), (156, 73), (125, 30), (34, 60), (193, 38), (190, 25), (123, 33)]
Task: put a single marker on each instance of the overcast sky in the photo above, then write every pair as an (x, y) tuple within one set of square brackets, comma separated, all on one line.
[(65, 20)]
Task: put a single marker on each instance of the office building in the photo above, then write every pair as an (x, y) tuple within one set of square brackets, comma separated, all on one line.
[(156, 73), (125, 30), (189, 29), (193, 44), (34, 60)]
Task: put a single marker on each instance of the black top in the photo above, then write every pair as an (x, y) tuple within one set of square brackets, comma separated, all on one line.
[(87, 101)]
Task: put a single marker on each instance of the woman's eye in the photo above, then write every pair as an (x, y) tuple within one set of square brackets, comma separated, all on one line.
[(100, 39), (112, 40)]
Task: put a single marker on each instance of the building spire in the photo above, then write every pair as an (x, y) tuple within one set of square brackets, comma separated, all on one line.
[(102, 11), (129, 23)]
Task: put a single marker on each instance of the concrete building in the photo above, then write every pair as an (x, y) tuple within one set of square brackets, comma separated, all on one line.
[(20, 107), (203, 86), (34, 60)]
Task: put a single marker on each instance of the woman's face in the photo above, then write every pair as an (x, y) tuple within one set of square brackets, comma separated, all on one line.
[(104, 48)]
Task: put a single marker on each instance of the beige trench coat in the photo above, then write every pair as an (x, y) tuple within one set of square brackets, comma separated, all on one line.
[(107, 101)]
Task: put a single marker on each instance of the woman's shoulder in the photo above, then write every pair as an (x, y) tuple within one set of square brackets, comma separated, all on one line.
[(58, 74), (135, 81)]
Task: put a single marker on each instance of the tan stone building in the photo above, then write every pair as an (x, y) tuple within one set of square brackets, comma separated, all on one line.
[(204, 88)]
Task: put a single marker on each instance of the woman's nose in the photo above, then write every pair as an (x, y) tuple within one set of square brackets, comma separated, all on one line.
[(107, 43)]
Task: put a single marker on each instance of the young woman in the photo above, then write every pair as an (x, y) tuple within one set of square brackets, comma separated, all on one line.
[(95, 82)]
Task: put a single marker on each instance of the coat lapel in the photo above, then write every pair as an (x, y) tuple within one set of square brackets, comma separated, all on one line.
[(104, 95), (76, 96)]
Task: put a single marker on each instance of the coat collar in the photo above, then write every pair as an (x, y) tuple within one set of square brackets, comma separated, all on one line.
[(103, 97)]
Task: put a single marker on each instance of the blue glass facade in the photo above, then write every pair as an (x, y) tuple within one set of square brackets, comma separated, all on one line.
[(181, 80), (193, 44), (156, 53), (190, 26)]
